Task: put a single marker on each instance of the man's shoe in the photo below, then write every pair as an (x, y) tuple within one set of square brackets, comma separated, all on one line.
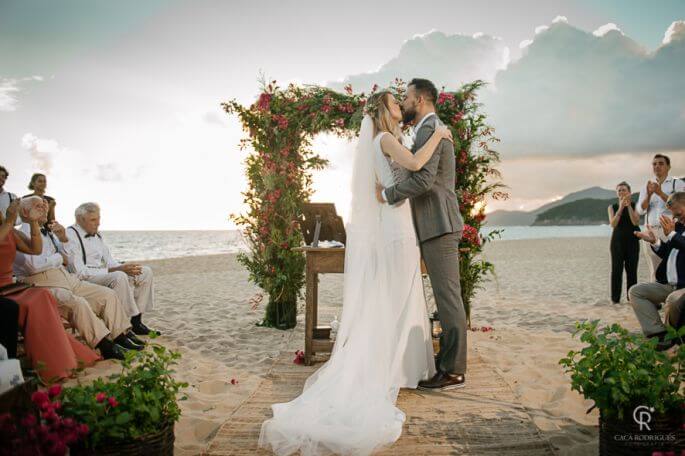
[(110, 350), (665, 345), (442, 381), (132, 337), (128, 343)]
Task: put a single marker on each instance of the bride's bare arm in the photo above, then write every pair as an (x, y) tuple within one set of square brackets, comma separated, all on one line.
[(414, 162)]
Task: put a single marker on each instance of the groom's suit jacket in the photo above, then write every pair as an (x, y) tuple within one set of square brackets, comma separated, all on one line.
[(431, 189)]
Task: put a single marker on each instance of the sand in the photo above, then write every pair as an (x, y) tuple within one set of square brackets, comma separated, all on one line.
[(542, 287)]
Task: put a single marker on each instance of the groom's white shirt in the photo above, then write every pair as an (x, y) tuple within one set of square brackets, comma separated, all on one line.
[(413, 139)]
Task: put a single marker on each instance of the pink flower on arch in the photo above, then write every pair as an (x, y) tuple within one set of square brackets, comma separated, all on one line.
[(264, 102), (471, 235), (444, 96)]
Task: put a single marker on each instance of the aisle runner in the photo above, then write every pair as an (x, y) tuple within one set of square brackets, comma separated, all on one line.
[(481, 419)]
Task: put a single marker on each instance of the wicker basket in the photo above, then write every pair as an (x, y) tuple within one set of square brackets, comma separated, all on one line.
[(160, 443), (624, 437)]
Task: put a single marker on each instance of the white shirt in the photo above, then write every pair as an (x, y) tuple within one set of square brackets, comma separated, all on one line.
[(657, 206), (49, 258), (671, 262), (98, 257), (5, 199)]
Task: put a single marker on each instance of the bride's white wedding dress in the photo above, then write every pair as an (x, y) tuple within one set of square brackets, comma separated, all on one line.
[(384, 340)]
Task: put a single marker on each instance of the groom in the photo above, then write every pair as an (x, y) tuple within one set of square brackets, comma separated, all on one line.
[(439, 227)]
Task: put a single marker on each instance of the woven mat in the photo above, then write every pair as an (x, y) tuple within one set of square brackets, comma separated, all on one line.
[(481, 419)]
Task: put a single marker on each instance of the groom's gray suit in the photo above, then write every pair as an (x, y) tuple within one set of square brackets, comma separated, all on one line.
[(439, 227)]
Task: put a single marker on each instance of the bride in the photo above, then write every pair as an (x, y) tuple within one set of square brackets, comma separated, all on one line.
[(384, 341)]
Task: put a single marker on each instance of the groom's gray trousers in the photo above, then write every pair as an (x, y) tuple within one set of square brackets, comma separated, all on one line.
[(441, 256)]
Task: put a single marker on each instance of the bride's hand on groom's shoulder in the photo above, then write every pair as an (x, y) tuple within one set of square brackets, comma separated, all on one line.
[(445, 133)]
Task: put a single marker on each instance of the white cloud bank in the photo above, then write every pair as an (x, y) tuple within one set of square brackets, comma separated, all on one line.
[(572, 92), (579, 93)]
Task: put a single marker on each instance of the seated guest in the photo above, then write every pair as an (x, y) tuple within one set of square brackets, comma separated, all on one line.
[(38, 184), (79, 301), (6, 197), (646, 298), (53, 353), (91, 260)]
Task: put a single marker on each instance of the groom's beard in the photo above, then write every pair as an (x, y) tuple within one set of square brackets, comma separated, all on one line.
[(408, 117)]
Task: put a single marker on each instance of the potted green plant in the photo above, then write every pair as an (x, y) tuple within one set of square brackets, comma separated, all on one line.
[(132, 413), (638, 389)]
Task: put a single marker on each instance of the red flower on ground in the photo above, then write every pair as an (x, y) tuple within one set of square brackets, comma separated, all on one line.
[(457, 117), (339, 123), (299, 357), (112, 401), (326, 108), (100, 397)]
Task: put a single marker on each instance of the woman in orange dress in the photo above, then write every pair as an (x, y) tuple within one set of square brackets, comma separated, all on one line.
[(53, 352)]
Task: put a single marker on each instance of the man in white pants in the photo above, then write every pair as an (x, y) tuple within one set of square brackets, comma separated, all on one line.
[(652, 204), (92, 261)]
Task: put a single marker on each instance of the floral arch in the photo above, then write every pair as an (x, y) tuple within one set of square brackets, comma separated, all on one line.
[(280, 127)]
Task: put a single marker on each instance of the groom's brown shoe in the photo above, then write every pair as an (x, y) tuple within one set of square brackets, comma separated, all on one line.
[(442, 381)]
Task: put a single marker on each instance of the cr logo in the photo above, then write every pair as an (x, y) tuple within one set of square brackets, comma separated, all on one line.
[(642, 416)]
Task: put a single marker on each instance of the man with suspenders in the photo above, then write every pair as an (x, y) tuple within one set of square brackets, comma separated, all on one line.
[(652, 204), (92, 261)]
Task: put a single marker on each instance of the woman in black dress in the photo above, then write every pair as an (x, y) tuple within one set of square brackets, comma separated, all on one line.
[(625, 246)]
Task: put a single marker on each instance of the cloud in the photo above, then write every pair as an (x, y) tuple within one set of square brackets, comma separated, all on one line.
[(577, 93), (606, 28), (448, 60), (43, 151), (675, 32), (9, 89), (108, 172)]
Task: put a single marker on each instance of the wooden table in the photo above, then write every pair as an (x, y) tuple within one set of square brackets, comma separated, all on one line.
[(319, 261)]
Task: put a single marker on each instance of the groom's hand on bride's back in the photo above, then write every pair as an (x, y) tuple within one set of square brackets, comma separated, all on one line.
[(379, 193)]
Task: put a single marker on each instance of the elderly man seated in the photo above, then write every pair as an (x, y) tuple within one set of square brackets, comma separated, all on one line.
[(91, 260), (79, 301), (646, 298)]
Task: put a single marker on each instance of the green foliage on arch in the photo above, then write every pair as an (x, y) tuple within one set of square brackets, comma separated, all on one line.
[(281, 125)]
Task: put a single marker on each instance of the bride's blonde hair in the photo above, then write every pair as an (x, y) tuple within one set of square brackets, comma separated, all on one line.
[(377, 108)]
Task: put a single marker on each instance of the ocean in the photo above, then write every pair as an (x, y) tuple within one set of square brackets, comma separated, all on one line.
[(152, 245)]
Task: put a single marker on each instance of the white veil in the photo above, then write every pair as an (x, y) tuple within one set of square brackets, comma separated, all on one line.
[(348, 405)]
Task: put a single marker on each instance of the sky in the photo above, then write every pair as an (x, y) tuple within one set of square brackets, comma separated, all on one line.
[(119, 102)]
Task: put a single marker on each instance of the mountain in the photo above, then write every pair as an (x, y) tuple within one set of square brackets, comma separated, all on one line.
[(526, 218), (587, 211)]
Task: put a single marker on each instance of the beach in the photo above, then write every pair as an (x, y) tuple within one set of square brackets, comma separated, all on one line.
[(541, 288)]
